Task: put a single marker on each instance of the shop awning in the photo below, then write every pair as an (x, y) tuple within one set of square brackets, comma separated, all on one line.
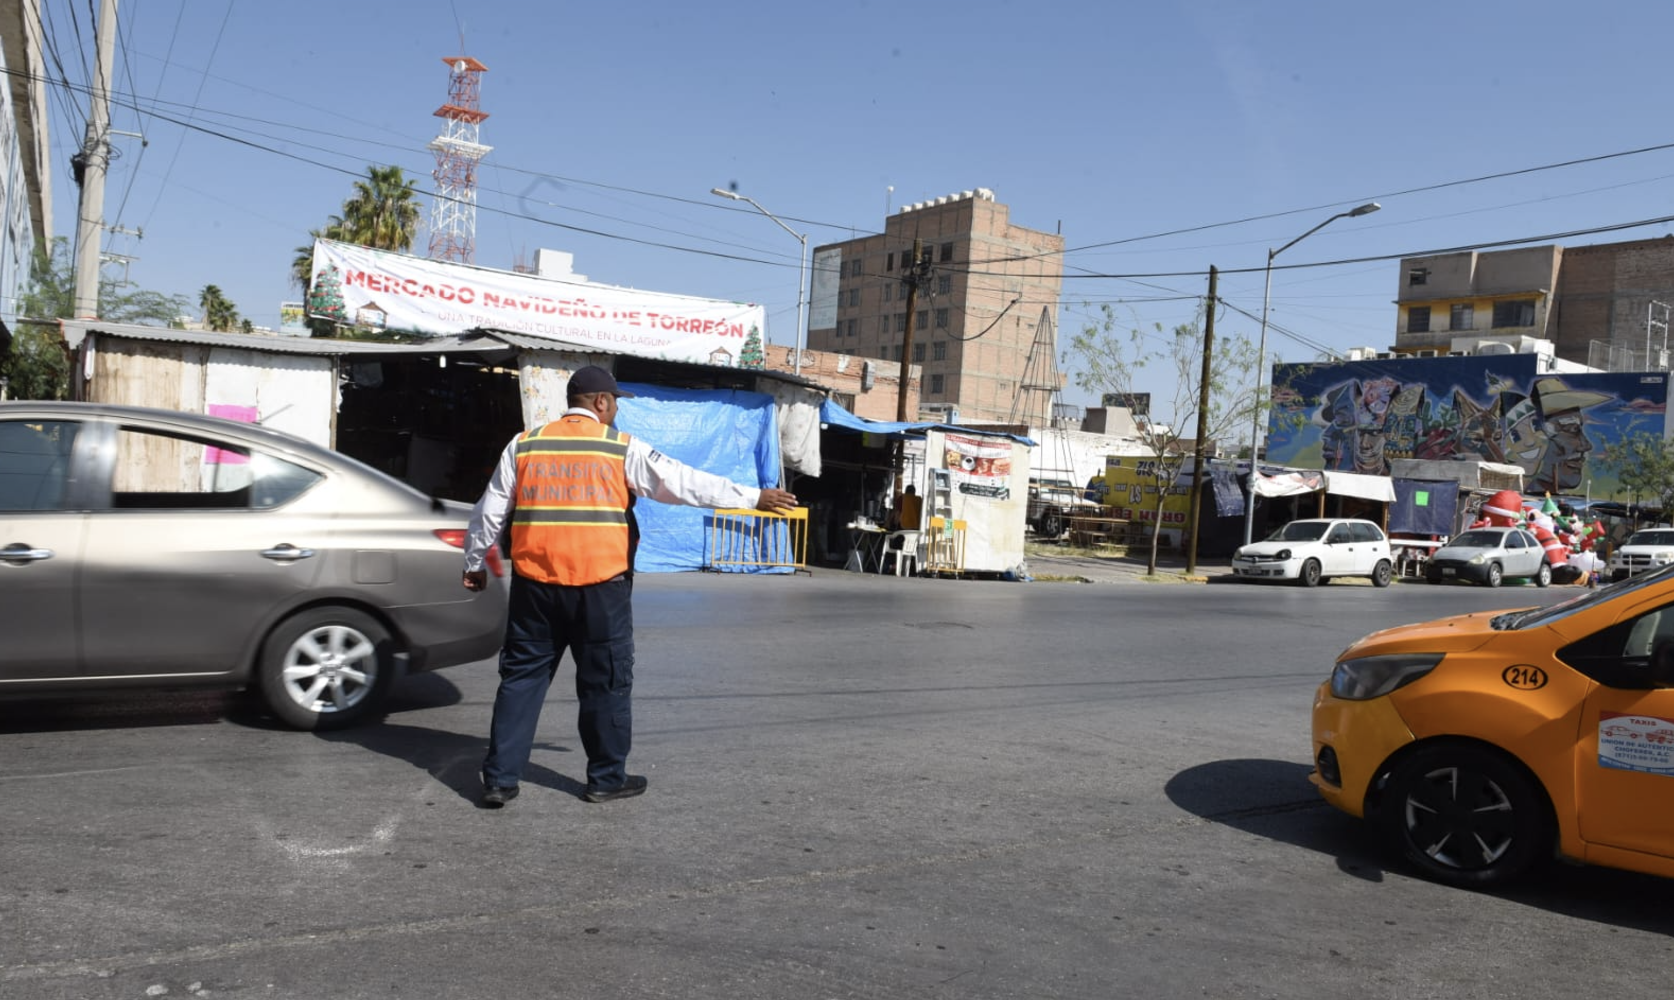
[(1355, 484)]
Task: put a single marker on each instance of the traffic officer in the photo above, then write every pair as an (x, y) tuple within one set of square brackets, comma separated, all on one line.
[(568, 491)]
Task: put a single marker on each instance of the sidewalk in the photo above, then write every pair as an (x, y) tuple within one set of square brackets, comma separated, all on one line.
[(1076, 566)]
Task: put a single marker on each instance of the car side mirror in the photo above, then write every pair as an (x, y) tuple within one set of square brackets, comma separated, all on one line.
[(1662, 664)]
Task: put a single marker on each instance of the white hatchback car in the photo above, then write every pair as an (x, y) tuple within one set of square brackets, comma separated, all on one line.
[(1316, 549)]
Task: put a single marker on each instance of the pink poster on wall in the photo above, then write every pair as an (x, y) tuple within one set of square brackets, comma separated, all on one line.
[(242, 414)]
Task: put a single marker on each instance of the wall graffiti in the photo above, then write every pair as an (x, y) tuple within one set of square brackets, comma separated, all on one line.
[(1358, 416)]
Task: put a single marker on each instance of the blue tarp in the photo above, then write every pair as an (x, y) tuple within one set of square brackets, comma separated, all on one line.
[(833, 415), (1424, 506), (729, 432)]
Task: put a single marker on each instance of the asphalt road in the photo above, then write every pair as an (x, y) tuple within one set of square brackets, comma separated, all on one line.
[(860, 787)]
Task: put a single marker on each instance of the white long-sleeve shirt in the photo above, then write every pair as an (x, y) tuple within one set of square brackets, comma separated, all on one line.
[(650, 474)]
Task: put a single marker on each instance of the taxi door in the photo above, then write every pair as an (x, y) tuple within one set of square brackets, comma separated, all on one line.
[(1624, 768)]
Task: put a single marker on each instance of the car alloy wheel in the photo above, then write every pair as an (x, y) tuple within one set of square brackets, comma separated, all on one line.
[(1543, 576), (1382, 573), (1466, 815), (325, 668), (1309, 576), (1496, 575)]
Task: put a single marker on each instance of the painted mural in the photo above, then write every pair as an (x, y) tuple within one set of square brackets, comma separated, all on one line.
[(1357, 416)]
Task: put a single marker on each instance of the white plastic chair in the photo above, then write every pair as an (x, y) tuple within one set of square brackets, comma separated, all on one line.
[(903, 545)]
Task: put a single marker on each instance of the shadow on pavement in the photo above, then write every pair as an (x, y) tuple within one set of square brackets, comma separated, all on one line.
[(1273, 799), (452, 759)]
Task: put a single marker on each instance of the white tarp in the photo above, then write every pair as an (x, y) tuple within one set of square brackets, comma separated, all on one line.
[(1356, 484), (1288, 484), (379, 290)]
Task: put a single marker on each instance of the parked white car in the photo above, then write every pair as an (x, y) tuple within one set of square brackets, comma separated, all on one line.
[(1316, 549), (1645, 550)]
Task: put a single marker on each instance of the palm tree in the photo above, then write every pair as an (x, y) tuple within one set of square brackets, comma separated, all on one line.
[(218, 312), (382, 214)]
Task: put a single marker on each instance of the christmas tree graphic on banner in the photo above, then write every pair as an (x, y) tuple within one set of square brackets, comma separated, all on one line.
[(325, 297), (750, 356)]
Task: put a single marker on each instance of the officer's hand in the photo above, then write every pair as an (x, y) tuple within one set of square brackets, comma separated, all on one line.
[(776, 501), (475, 579)]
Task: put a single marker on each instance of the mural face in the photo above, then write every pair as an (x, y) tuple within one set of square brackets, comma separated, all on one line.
[(1359, 416)]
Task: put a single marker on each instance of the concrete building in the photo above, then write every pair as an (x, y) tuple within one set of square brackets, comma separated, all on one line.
[(1606, 306), (864, 386), (977, 313), (25, 174)]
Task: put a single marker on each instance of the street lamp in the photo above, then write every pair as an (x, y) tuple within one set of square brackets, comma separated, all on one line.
[(801, 261), (1261, 352)]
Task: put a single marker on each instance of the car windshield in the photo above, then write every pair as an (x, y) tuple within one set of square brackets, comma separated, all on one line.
[(1480, 539), (1512, 620), (1300, 531), (1651, 538)]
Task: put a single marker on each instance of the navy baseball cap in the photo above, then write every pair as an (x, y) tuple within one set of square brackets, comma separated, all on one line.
[(592, 379)]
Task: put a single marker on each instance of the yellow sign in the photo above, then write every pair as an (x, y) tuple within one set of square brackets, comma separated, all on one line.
[(1130, 486)]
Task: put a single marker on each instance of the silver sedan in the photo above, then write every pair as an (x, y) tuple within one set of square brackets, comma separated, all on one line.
[(148, 548)]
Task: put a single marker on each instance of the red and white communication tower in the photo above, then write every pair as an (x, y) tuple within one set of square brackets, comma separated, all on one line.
[(453, 215)]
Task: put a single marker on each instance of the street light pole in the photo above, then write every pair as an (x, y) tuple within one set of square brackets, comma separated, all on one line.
[(801, 264), (1261, 352)]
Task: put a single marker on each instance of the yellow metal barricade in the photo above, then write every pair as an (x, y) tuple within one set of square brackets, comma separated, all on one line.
[(741, 539)]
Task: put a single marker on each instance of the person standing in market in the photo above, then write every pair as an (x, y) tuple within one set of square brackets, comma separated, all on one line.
[(565, 492)]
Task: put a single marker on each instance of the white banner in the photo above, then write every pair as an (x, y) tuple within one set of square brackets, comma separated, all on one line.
[(378, 290)]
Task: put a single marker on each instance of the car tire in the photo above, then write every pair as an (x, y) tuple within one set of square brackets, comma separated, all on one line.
[(1382, 573), (1466, 815), (1050, 525), (1309, 575), (326, 668), (1495, 575), (1543, 576)]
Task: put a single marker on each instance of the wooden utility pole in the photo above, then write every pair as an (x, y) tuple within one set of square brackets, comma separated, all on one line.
[(1202, 422), (913, 275), (92, 162)]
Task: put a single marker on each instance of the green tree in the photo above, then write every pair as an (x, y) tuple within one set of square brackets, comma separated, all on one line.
[(36, 364), (1643, 465), (218, 312), (381, 213), (1114, 359)]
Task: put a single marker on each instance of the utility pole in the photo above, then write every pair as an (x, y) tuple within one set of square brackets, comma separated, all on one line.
[(92, 163), (917, 273), (1202, 422)]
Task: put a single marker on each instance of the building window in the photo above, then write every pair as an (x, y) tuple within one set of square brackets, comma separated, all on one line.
[(889, 261), (1516, 312), (941, 319), (1418, 319), (900, 322), (1418, 276), (889, 292), (854, 296), (851, 327), (1462, 317), (936, 385), (938, 351), (923, 320), (947, 252), (944, 284), (918, 353)]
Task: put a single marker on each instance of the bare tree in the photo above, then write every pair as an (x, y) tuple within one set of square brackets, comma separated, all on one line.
[(1112, 359)]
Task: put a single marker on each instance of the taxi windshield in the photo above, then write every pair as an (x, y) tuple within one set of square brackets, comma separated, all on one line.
[(1563, 609)]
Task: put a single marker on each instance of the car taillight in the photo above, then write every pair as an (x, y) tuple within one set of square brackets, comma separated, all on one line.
[(456, 538)]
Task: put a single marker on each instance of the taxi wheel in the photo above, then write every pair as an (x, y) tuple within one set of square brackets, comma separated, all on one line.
[(1543, 576), (1496, 575), (1382, 573), (1467, 816), (326, 668), (1309, 576)]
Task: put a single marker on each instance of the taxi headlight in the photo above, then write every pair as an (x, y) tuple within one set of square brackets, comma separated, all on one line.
[(1375, 676)]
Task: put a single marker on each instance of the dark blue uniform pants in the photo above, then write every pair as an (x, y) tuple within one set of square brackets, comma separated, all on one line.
[(596, 624)]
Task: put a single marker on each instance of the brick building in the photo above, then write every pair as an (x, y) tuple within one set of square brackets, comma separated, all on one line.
[(1606, 305), (977, 311), (865, 387)]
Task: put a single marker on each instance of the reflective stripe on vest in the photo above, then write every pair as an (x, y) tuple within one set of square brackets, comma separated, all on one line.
[(570, 521)]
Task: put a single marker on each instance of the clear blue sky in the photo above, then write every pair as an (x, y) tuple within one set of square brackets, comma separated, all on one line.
[(1116, 121)]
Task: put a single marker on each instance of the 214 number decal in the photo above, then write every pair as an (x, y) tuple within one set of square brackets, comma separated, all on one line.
[(1524, 677)]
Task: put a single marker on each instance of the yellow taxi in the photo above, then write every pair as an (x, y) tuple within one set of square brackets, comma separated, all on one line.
[(1485, 744)]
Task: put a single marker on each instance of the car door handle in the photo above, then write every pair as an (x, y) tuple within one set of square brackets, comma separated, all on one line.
[(18, 552), (287, 553)]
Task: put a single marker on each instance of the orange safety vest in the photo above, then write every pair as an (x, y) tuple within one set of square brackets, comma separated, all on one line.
[(570, 524)]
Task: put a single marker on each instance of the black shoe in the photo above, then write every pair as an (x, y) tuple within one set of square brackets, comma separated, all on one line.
[(494, 798), (634, 785)]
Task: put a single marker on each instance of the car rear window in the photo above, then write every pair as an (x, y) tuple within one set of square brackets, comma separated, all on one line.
[(156, 471), (35, 463)]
